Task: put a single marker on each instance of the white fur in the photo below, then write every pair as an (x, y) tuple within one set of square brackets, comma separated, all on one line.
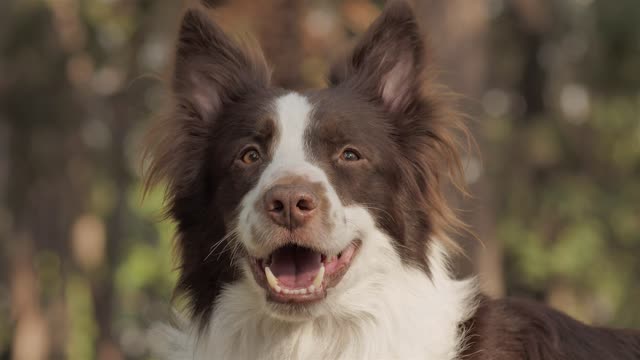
[(381, 309)]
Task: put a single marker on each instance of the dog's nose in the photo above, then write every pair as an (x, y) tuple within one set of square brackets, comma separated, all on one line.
[(290, 206)]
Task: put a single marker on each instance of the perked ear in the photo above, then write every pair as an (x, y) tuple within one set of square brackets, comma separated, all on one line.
[(387, 63), (210, 69)]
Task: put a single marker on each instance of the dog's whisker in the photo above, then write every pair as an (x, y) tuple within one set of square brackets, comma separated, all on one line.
[(224, 240)]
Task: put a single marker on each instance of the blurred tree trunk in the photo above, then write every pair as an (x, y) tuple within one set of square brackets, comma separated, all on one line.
[(32, 339), (124, 118), (281, 39), (41, 199), (277, 24), (533, 22), (102, 287), (457, 31), (532, 16)]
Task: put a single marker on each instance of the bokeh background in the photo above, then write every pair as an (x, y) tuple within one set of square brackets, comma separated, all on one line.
[(551, 87)]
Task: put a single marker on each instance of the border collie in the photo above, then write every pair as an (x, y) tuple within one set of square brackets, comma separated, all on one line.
[(312, 225)]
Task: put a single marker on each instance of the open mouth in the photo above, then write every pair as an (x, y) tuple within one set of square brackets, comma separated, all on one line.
[(297, 274)]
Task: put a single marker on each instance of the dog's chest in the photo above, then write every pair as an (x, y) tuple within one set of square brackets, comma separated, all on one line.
[(421, 324), (353, 340)]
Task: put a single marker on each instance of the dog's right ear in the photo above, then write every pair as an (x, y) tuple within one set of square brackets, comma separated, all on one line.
[(210, 69)]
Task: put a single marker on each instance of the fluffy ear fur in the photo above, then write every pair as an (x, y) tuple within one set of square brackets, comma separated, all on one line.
[(210, 69), (211, 72), (388, 67), (388, 61)]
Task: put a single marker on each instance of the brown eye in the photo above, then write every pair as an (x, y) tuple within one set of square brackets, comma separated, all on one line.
[(350, 155), (250, 156)]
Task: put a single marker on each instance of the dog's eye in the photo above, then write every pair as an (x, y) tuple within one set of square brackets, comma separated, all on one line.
[(350, 155), (250, 156)]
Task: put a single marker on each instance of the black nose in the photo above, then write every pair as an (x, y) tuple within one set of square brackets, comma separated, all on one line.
[(290, 206)]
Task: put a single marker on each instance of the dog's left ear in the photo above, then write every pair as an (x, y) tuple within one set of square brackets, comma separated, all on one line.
[(387, 64)]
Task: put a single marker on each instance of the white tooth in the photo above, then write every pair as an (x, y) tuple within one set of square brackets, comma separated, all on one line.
[(317, 282), (311, 288), (286, 291), (302, 291), (271, 279)]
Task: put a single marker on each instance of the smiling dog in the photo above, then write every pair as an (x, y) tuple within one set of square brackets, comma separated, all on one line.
[(311, 225)]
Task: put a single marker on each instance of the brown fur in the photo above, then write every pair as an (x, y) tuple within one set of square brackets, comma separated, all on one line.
[(513, 329), (211, 79), (426, 134)]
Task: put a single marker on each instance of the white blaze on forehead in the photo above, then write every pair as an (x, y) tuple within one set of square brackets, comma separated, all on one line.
[(291, 117), (292, 111), (289, 159)]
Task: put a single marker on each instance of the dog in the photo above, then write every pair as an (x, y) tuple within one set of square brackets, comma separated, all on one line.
[(312, 225)]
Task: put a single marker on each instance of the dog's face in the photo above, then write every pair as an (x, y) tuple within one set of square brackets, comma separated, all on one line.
[(306, 196)]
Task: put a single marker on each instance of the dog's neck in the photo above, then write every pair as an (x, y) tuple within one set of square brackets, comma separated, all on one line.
[(401, 313)]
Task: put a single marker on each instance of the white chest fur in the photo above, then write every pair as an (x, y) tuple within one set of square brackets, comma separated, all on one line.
[(396, 313)]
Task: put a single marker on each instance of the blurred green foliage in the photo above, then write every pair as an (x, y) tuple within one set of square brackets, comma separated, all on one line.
[(564, 156), (573, 216)]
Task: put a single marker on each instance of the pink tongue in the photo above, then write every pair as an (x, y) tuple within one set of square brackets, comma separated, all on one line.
[(295, 267)]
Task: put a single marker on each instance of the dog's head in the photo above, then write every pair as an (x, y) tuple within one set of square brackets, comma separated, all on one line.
[(305, 196)]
